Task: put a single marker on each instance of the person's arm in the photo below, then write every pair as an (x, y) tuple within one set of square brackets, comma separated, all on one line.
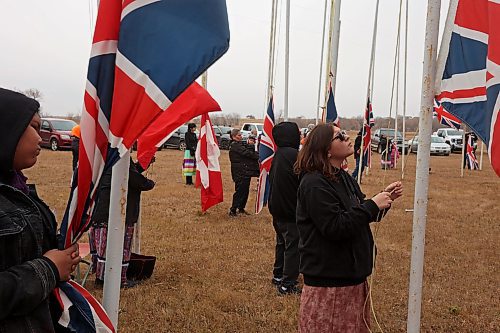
[(138, 181), (246, 152)]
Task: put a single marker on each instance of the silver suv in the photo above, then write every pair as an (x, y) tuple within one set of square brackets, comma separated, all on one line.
[(452, 137)]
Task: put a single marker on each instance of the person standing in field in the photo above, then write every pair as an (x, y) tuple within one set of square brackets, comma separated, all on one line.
[(31, 266), (336, 244), (242, 158), (75, 144), (284, 183), (189, 164)]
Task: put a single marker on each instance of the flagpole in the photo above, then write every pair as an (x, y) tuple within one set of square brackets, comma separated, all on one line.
[(318, 106), (404, 93), (422, 170), (136, 244), (462, 166), (272, 40), (370, 77), (116, 233), (328, 68), (335, 43), (397, 66), (481, 158), (287, 58), (204, 80)]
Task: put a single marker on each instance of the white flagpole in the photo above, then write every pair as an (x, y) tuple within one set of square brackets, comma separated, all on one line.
[(422, 172), (335, 43), (329, 53), (462, 166), (204, 79), (287, 58), (404, 93), (116, 233), (368, 90), (272, 43), (481, 158), (318, 106)]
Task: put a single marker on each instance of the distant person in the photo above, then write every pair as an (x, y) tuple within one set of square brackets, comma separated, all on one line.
[(242, 158), (284, 183), (99, 231), (31, 266), (253, 167), (357, 156), (189, 164), (336, 244), (75, 144)]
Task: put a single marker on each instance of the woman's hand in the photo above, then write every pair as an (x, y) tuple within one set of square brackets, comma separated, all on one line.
[(383, 200), (395, 189), (65, 260)]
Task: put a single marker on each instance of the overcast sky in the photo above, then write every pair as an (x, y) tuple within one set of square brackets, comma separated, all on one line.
[(46, 45)]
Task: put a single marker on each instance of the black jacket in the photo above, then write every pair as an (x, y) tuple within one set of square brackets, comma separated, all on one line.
[(136, 184), (336, 243), (27, 231), (191, 142), (282, 179), (357, 146), (242, 158)]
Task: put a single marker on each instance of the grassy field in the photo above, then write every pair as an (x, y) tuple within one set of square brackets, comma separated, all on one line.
[(213, 273)]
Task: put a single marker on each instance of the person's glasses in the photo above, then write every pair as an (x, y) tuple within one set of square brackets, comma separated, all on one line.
[(342, 136)]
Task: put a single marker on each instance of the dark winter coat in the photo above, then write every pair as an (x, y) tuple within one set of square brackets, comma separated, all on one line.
[(136, 184), (282, 179), (75, 148), (242, 158), (336, 243), (191, 142)]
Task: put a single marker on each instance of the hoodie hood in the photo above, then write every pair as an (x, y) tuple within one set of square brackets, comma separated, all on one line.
[(286, 134), (16, 112)]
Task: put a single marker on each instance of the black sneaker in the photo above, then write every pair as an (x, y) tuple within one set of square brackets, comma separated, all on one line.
[(232, 213), (289, 290), (243, 212), (277, 281)]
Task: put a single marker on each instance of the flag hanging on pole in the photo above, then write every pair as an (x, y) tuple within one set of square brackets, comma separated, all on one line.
[(444, 117), (208, 174), (468, 83), (144, 54), (470, 156), (193, 102), (368, 123), (330, 114), (266, 154)]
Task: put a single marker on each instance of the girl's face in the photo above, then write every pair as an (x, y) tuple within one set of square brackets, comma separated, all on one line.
[(28, 147), (341, 146)]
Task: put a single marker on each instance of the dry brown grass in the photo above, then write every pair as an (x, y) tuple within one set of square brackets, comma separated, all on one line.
[(213, 273)]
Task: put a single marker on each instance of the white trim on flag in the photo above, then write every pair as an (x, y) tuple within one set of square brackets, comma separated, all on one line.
[(471, 34), (465, 100), (139, 77), (464, 81), (136, 5), (104, 47), (494, 119)]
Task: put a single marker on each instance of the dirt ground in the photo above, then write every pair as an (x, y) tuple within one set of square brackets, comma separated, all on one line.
[(213, 273)]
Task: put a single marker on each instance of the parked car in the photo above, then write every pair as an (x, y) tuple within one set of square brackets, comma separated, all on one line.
[(247, 128), (438, 146), (218, 134), (225, 138), (56, 133), (379, 140), (176, 140), (452, 137)]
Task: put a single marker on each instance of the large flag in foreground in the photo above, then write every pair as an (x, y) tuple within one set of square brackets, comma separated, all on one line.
[(330, 114), (144, 54), (194, 101), (208, 174), (469, 83), (368, 123), (444, 117), (266, 154)]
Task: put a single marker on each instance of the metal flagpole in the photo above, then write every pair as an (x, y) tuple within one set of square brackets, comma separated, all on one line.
[(329, 53), (462, 166), (335, 43), (321, 62), (481, 158), (422, 172), (404, 94), (116, 233), (370, 77), (204, 80), (272, 40), (287, 58)]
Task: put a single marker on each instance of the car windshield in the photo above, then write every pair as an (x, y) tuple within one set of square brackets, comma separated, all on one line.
[(183, 129), (63, 125), (437, 139), (454, 132), (390, 133), (226, 129), (259, 127)]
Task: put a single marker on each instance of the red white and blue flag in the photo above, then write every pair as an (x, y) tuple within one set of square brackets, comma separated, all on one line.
[(330, 114), (368, 123), (444, 117), (144, 54), (470, 157), (267, 148), (469, 82), (208, 174)]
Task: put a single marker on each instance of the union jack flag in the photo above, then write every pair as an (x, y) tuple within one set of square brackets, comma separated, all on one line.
[(144, 54), (444, 117), (368, 123), (266, 154), (469, 84), (470, 157), (330, 114)]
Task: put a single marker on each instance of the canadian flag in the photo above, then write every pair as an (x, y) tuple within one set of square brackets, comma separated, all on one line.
[(208, 174)]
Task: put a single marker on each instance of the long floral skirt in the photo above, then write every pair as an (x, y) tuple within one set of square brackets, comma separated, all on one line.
[(335, 309), (97, 240)]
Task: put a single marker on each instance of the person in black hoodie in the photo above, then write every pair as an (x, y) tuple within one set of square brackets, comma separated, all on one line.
[(242, 158), (189, 164), (357, 157), (336, 244), (282, 203), (30, 264)]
